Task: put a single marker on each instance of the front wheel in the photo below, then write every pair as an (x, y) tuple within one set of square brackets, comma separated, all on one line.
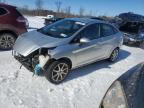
[(57, 71), (7, 41), (114, 55)]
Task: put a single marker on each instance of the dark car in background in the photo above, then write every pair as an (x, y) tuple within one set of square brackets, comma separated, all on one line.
[(51, 20), (127, 91), (12, 24), (133, 27)]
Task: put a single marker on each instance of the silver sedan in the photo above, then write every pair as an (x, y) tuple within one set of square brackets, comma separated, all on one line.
[(67, 44)]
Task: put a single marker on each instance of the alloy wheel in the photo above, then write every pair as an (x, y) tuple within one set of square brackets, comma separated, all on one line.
[(60, 71), (114, 55), (6, 41)]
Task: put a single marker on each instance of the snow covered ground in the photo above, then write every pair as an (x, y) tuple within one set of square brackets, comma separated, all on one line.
[(84, 87), (35, 22)]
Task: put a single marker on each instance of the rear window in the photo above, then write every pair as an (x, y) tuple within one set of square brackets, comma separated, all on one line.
[(2, 11), (18, 13), (107, 30)]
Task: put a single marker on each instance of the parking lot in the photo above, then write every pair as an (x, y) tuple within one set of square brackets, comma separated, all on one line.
[(19, 89)]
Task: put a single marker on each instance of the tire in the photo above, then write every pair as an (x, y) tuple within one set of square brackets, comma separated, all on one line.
[(114, 55), (7, 41), (54, 74)]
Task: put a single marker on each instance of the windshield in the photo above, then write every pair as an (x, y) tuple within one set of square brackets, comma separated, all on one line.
[(62, 29)]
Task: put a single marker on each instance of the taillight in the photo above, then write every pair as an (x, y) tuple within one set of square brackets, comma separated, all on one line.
[(23, 20)]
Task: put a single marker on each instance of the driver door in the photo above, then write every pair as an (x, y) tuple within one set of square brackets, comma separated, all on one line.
[(90, 51)]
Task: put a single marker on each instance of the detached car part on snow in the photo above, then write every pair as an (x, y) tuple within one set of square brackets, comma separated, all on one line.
[(127, 91), (52, 20), (67, 44)]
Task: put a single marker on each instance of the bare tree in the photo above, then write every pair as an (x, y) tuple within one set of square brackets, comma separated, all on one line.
[(89, 14), (81, 11), (39, 4), (25, 7), (58, 4), (68, 10)]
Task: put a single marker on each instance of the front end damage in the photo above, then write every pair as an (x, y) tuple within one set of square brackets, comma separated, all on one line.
[(132, 39), (32, 50), (34, 62)]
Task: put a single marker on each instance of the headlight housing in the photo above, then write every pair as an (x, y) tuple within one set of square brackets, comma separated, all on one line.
[(115, 97)]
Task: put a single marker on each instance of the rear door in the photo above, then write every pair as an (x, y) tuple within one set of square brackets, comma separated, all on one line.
[(108, 39)]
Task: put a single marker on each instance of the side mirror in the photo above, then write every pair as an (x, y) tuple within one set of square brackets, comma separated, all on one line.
[(84, 40)]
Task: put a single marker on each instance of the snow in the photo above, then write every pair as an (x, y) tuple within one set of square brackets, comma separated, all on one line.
[(35, 22), (84, 87)]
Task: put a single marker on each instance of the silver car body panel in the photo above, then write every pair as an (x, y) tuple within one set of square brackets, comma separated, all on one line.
[(30, 42), (79, 55), (85, 54)]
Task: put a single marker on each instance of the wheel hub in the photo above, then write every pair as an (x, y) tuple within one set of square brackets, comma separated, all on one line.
[(6, 41), (114, 54), (59, 72)]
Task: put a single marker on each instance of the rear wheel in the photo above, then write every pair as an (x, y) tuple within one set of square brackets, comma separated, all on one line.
[(57, 71), (114, 55), (7, 41)]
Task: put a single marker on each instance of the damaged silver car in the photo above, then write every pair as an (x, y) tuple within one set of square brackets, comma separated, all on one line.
[(67, 44)]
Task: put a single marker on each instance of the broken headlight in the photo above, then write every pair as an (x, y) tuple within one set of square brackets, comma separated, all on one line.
[(115, 97)]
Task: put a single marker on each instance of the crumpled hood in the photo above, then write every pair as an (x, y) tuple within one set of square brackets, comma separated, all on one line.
[(31, 41)]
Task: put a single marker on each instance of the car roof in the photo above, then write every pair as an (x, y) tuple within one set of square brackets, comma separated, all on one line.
[(131, 17), (87, 20), (6, 5)]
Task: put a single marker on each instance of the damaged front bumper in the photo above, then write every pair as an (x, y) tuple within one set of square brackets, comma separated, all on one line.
[(25, 61), (33, 63)]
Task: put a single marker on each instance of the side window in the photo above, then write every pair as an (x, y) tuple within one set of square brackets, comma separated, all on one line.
[(115, 30), (91, 32), (2, 11), (107, 30)]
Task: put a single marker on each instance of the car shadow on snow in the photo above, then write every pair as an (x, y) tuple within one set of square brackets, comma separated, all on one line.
[(79, 72)]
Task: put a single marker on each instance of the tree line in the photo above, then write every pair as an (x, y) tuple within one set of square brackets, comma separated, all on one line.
[(59, 11)]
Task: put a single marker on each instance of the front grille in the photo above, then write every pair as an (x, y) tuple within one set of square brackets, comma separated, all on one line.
[(25, 61)]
